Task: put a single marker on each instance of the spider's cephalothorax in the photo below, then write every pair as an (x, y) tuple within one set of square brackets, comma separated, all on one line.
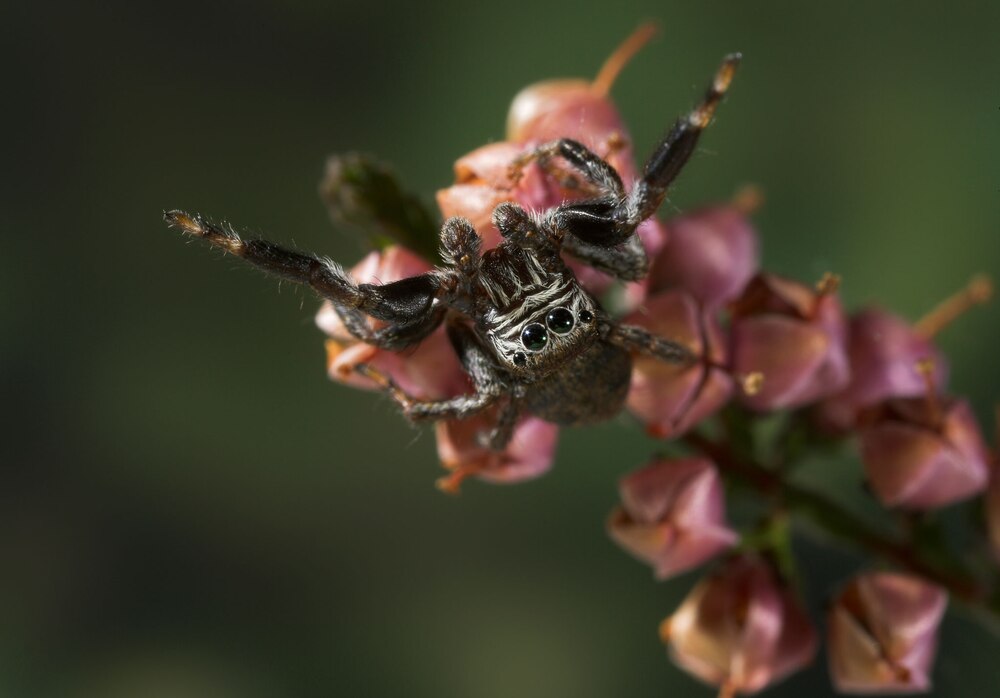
[(530, 337)]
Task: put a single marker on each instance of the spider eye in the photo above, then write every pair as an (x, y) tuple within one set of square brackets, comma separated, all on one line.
[(519, 358), (534, 337), (586, 316), (559, 320)]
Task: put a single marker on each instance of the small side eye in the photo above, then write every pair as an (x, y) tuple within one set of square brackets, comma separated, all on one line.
[(586, 316), (534, 337), (559, 320), (519, 358)]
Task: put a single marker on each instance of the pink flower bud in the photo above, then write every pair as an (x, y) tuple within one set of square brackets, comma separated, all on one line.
[(580, 109), (543, 112), (882, 634), (584, 112), (573, 109), (482, 180), (792, 334), (883, 351), (711, 253), (672, 515), (528, 455), (671, 398), (428, 371), (923, 453), (740, 628)]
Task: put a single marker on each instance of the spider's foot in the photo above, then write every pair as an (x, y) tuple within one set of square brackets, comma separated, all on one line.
[(387, 384)]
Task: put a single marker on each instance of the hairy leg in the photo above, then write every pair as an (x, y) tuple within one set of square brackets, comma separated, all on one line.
[(610, 220), (627, 261), (640, 340), (409, 306), (670, 156)]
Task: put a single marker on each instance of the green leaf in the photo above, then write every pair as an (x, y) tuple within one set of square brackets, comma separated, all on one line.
[(363, 193)]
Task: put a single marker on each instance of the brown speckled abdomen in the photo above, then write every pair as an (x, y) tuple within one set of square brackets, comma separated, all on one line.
[(592, 388)]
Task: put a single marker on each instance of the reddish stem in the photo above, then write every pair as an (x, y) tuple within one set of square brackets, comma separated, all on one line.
[(840, 523)]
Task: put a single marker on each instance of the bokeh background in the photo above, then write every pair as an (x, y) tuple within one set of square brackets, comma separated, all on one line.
[(189, 508)]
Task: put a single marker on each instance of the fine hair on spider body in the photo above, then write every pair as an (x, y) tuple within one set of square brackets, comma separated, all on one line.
[(531, 338)]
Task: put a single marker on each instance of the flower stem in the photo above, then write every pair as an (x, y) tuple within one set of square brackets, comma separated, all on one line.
[(838, 522)]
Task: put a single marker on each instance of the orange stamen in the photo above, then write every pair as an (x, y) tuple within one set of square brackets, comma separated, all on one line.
[(452, 482), (828, 285), (751, 383), (925, 367), (748, 199), (976, 292), (664, 630), (825, 287), (621, 56)]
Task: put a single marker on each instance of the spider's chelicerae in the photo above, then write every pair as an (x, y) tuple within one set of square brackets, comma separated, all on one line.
[(532, 340)]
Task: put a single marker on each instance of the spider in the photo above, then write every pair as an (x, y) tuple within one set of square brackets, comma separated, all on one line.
[(531, 339)]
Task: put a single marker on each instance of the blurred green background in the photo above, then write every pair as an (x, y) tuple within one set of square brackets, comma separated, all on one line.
[(189, 508)]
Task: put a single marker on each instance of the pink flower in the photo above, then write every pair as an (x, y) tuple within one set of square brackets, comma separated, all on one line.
[(428, 371), (740, 628), (883, 351), (528, 455), (431, 370), (574, 109), (671, 398), (711, 253), (482, 181), (923, 453), (882, 634), (672, 515), (543, 112), (792, 334)]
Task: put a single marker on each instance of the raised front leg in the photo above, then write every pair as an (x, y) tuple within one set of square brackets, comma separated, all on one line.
[(412, 307), (670, 156), (611, 219)]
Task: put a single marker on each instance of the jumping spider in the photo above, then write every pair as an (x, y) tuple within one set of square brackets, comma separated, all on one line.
[(530, 337)]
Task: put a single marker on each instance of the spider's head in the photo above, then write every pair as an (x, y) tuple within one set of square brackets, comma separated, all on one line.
[(541, 317)]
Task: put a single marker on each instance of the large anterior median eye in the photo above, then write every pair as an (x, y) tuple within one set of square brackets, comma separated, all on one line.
[(559, 320), (534, 337)]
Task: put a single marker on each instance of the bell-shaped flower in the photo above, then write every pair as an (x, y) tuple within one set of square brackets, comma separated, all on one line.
[(429, 370), (580, 109), (672, 515), (711, 253), (528, 455), (923, 453), (882, 633), (795, 336), (482, 181), (740, 628), (884, 351), (577, 109), (671, 398)]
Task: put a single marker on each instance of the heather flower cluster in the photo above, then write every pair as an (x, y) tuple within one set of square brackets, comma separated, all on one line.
[(766, 346)]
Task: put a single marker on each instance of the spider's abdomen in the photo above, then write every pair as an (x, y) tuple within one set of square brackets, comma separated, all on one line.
[(590, 388)]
